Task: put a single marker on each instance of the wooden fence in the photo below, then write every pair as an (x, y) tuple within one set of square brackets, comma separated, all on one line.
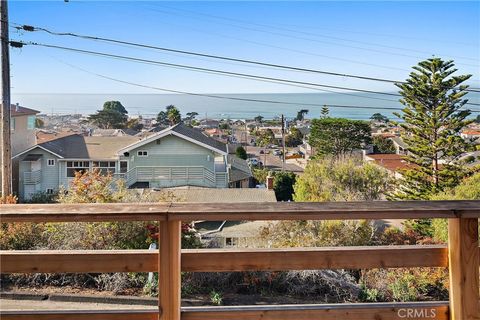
[(461, 256)]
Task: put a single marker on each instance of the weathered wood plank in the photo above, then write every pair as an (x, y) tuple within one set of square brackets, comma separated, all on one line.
[(219, 260), (360, 311), (78, 261), (239, 211), (147, 314), (324, 210), (82, 212), (373, 311), (169, 273), (464, 261)]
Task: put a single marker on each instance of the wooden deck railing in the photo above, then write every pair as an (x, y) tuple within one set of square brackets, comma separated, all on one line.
[(461, 256)]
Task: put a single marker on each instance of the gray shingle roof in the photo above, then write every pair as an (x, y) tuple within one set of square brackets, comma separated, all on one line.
[(199, 136), (220, 195), (81, 147)]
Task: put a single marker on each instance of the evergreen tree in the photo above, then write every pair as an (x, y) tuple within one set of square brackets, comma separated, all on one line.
[(241, 153), (433, 118), (112, 116), (378, 117), (339, 136), (301, 114), (383, 145), (325, 112)]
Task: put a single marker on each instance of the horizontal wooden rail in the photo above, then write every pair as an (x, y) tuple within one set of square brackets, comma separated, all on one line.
[(360, 311), (239, 211), (222, 260)]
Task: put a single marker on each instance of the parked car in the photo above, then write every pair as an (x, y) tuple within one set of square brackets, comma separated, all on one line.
[(252, 161), (277, 152)]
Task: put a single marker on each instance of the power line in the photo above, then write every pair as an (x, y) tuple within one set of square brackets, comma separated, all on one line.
[(192, 53), (311, 34), (201, 69), (214, 96), (207, 70)]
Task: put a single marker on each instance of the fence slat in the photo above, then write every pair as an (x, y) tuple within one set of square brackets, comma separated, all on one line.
[(463, 267), (358, 311), (221, 260), (239, 211)]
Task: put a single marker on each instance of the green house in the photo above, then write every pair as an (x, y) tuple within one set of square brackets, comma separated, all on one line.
[(176, 156)]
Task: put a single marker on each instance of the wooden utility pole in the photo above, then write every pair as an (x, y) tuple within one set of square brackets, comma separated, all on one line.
[(6, 170)]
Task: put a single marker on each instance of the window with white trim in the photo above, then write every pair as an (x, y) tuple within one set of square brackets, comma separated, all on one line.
[(105, 167), (77, 166), (142, 153), (49, 191), (50, 162)]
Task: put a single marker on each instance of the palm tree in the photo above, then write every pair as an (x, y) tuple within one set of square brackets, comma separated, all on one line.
[(173, 115)]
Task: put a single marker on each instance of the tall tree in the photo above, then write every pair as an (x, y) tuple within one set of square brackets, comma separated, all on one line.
[(338, 136), (283, 183), (112, 116), (265, 137), (115, 105), (301, 114), (383, 145), (190, 117), (432, 120), (241, 153), (294, 138), (258, 119), (173, 115), (170, 116), (325, 112), (378, 117)]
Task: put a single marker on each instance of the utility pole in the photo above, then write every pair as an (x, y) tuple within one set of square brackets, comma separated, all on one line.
[(6, 170), (283, 143)]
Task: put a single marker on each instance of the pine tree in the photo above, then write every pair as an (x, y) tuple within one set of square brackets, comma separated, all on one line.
[(433, 118), (324, 113)]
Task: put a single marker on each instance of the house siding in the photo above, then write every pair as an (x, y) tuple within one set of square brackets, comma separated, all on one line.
[(49, 174), (173, 152)]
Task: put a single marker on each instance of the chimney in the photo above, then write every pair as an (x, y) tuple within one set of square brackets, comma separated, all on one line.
[(17, 106), (269, 181)]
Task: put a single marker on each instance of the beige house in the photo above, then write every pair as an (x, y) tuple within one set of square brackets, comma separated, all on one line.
[(22, 125), (22, 135)]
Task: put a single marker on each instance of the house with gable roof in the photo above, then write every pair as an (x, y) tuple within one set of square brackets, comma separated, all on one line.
[(176, 156)]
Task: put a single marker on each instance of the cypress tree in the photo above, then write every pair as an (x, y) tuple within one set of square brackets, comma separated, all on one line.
[(433, 117)]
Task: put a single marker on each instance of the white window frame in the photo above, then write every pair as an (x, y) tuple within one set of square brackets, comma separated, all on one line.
[(48, 162), (142, 153), (80, 164), (46, 191), (105, 166)]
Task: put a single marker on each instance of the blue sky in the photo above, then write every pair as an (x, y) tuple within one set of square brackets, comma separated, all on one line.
[(379, 39)]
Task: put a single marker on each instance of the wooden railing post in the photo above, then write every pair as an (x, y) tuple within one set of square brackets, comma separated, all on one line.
[(169, 275), (463, 259)]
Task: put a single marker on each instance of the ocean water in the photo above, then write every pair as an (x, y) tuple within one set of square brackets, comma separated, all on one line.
[(151, 104)]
